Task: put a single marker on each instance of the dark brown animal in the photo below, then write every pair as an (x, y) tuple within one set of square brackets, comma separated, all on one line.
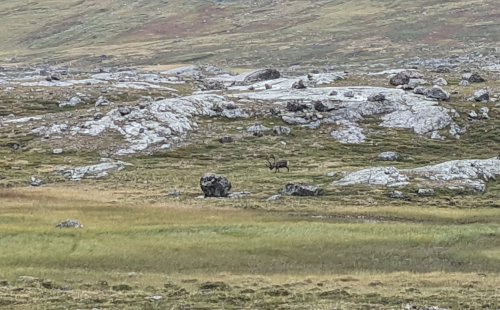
[(277, 165)]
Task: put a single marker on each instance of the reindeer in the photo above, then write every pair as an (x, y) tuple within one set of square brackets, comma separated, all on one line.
[(277, 165)]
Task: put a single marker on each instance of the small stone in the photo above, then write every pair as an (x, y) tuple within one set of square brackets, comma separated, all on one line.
[(298, 85), (70, 224), (155, 298), (174, 192), (274, 197), (349, 94), (281, 130), (426, 192), (101, 102), (464, 83), (239, 194), (397, 195), (57, 151), (333, 93), (123, 110), (300, 189), (35, 182), (226, 139), (98, 116), (389, 156)]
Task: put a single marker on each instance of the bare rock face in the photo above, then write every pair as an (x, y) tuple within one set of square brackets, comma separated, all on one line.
[(214, 185), (377, 176), (299, 189)]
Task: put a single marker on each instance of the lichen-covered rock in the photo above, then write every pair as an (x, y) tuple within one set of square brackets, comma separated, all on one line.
[(93, 171), (299, 189), (404, 77), (426, 192), (214, 185)]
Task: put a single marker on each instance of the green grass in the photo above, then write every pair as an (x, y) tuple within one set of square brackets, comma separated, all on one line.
[(178, 241)]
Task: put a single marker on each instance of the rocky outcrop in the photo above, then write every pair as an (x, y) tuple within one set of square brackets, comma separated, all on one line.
[(214, 185), (93, 171), (456, 174)]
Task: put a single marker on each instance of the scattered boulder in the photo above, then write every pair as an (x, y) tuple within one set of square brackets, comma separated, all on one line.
[(482, 94), (414, 83), (214, 185), (281, 130), (484, 112), (267, 86), (420, 90), (404, 77), (473, 77), (440, 82), (124, 110), (35, 182), (72, 102), (57, 151), (70, 224), (376, 97), (325, 106), (262, 75), (296, 106), (389, 156), (333, 93), (300, 189), (397, 195), (426, 192), (299, 85), (213, 85), (226, 139), (437, 92)]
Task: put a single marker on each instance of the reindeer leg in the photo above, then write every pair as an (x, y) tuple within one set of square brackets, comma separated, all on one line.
[(288, 170), (276, 170)]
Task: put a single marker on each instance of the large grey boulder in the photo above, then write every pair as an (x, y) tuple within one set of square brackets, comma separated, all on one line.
[(300, 189), (214, 185)]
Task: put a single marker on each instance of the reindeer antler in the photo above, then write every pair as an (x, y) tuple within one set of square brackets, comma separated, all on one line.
[(274, 158)]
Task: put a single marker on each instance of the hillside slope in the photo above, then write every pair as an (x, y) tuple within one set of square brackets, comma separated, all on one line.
[(242, 32)]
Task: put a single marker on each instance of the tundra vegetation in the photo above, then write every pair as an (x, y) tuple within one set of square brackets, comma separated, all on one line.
[(117, 144)]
